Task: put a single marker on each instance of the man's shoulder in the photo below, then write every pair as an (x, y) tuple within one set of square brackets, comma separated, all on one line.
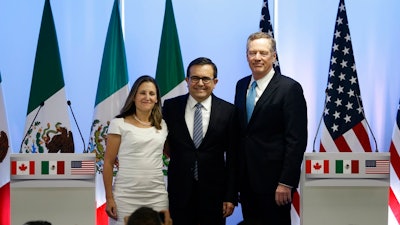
[(178, 98), (245, 79), (286, 78), (222, 102)]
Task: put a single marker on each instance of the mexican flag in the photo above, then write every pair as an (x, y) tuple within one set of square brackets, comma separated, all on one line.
[(170, 75), (47, 127), (5, 151), (112, 91)]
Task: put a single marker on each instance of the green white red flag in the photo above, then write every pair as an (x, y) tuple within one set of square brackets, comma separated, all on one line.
[(112, 91), (47, 126), (170, 75), (5, 151)]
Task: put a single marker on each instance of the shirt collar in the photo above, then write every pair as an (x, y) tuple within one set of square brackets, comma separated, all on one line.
[(264, 81), (206, 103)]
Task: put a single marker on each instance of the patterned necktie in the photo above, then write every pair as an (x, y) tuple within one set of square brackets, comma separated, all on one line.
[(198, 126), (251, 99), (197, 134)]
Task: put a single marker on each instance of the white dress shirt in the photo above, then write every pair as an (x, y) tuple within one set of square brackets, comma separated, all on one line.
[(205, 112), (261, 84)]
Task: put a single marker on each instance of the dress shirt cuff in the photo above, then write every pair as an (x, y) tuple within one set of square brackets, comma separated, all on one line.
[(285, 185)]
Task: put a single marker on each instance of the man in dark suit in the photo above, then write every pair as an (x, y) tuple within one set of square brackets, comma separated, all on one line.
[(201, 176), (273, 135)]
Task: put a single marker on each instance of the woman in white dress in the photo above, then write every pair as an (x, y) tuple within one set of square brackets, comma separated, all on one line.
[(136, 137)]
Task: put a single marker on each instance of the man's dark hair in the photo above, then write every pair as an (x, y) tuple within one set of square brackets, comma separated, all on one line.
[(144, 216), (201, 61)]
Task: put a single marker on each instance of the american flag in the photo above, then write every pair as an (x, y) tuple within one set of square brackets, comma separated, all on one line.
[(85, 167), (377, 166), (394, 192), (266, 26), (345, 127)]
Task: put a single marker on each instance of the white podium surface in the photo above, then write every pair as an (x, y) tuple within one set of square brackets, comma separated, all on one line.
[(56, 187), (345, 189)]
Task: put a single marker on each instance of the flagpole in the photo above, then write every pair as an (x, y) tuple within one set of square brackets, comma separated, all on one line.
[(276, 30), (122, 10)]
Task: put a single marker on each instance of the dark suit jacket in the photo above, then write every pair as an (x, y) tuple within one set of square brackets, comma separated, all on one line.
[(216, 156), (275, 139)]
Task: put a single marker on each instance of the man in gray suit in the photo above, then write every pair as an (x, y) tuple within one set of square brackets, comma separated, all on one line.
[(202, 169), (273, 135)]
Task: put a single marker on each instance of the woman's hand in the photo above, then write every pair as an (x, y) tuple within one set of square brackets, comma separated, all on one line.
[(167, 217), (111, 209)]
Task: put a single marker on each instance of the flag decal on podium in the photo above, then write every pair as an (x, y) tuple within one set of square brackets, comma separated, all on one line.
[(317, 166), (85, 167), (53, 167), (347, 166), (377, 166), (22, 167)]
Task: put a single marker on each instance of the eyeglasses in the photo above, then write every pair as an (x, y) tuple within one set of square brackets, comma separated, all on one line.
[(196, 79)]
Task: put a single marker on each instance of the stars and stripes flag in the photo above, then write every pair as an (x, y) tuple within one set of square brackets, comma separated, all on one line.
[(85, 167), (266, 26), (345, 127), (394, 192)]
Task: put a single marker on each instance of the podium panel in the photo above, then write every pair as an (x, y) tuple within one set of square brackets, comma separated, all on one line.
[(58, 188), (345, 188)]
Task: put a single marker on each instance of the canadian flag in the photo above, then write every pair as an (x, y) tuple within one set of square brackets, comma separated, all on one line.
[(22, 167), (317, 166)]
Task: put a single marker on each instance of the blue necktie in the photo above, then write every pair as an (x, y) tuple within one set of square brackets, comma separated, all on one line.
[(251, 99), (197, 134)]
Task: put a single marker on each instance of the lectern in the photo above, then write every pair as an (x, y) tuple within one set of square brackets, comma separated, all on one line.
[(56, 187), (345, 189)]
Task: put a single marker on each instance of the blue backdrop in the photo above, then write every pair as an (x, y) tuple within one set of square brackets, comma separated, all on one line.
[(217, 29)]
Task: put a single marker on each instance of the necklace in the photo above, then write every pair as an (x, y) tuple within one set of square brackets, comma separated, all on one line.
[(141, 122)]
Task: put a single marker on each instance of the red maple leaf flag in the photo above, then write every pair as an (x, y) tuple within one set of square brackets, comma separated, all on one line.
[(22, 167), (317, 166)]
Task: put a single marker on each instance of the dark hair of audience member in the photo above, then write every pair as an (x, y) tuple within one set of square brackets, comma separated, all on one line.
[(37, 222), (144, 216)]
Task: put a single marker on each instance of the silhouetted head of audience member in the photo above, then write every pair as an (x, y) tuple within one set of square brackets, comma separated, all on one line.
[(144, 216), (37, 222), (249, 222)]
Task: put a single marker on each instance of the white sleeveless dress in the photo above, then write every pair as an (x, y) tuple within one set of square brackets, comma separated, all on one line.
[(140, 180)]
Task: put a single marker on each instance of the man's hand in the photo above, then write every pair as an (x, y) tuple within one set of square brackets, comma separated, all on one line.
[(283, 195), (227, 209)]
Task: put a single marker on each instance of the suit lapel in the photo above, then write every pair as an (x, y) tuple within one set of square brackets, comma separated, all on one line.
[(215, 108), (242, 95), (180, 113), (268, 92), (266, 96), (242, 92)]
